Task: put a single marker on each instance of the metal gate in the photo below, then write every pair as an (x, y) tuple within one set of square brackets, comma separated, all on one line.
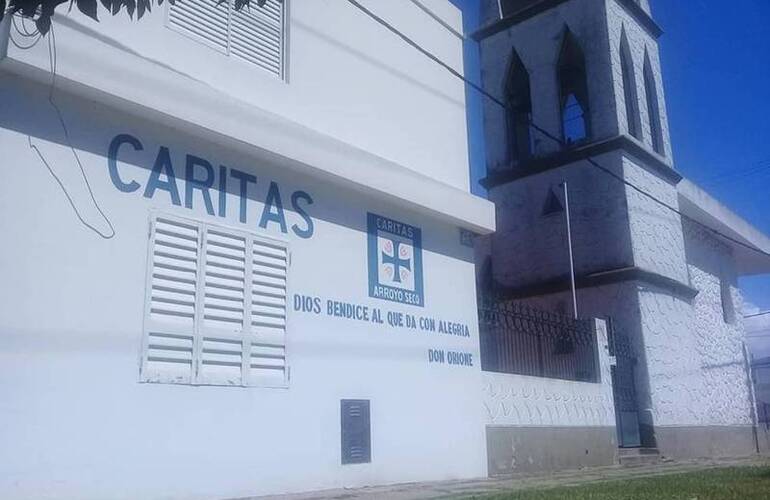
[(624, 388), (519, 339)]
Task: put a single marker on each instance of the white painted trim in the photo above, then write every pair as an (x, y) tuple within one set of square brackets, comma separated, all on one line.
[(697, 204)]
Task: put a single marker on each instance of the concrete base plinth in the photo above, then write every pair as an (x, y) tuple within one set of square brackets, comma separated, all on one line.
[(685, 442), (531, 449)]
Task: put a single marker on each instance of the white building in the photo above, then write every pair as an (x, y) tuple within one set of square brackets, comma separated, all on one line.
[(587, 74), (232, 261), (237, 256)]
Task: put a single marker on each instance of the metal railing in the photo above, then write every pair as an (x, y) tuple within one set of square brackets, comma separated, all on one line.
[(519, 339)]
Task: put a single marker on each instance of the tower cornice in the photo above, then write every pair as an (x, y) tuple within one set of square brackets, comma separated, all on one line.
[(535, 7), (649, 160)]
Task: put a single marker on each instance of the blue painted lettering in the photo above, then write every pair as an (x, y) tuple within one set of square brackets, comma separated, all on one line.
[(244, 180), (112, 163), (222, 191), (273, 201), (191, 183), (163, 166), (296, 197)]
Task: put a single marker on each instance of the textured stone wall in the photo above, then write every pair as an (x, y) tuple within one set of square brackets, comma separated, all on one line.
[(719, 344), (538, 42), (530, 247), (656, 231), (690, 370), (639, 41), (532, 401)]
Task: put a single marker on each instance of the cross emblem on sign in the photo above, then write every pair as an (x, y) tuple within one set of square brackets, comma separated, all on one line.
[(396, 261)]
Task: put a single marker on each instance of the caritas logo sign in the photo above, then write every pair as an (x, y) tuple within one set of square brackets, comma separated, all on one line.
[(395, 261)]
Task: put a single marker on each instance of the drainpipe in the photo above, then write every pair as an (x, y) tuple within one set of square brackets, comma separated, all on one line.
[(752, 395), (571, 258)]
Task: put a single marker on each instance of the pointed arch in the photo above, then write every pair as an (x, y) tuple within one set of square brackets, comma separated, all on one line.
[(573, 91), (518, 100), (653, 105), (630, 96)]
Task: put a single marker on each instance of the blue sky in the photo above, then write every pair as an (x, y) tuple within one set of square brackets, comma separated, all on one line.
[(716, 71)]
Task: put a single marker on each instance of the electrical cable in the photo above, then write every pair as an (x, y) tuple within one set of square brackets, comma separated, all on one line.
[(436, 18), (24, 32), (544, 132), (52, 55)]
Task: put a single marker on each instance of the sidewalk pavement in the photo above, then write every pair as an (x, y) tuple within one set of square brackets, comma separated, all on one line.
[(467, 488)]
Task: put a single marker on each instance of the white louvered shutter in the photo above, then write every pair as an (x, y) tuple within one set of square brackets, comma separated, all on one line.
[(257, 35), (254, 34), (267, 358), (206, 20), (224, 308), (216, 306), (169, 343)]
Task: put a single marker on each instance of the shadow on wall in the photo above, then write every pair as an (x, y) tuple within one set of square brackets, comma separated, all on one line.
[(148, 154)]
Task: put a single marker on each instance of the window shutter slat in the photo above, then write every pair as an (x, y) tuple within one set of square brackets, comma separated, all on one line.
[(253, 34), (223, 307), (171, 306), (268, 314), (257, 36), (205, 20)]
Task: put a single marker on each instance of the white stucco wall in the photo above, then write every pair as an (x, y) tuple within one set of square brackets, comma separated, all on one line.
[(76, 420), (530, 247), (359, 105), (348, 77)]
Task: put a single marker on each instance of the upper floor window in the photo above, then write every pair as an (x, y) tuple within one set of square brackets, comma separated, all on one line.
[(653, 106), (518, 110), (630, 97), (256, 34), (573, 91)]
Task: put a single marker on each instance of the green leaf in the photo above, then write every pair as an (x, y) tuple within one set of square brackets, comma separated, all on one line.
[(43, 24), (143, 6), (88, 7)]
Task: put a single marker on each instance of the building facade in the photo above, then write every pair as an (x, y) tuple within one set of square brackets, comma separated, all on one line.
[(229, 240), (241, 256), (583, 104)]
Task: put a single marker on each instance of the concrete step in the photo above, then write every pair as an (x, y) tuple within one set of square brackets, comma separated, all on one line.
[(638, 456)]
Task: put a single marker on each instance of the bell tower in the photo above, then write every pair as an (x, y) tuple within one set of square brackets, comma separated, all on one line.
[(581, 83)]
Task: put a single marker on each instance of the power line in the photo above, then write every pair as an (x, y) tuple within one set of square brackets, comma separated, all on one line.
[(436, 18), (742, 174), (764, 313), (547, 134), (424, 52)]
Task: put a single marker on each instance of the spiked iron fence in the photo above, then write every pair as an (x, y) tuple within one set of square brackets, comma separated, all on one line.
[(519, 339)]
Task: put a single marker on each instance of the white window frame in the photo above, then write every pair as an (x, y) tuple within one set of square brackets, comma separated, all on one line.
[(196, 379), (284, 76)]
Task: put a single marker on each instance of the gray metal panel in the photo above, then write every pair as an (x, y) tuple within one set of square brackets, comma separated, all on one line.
[(355, 431)]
